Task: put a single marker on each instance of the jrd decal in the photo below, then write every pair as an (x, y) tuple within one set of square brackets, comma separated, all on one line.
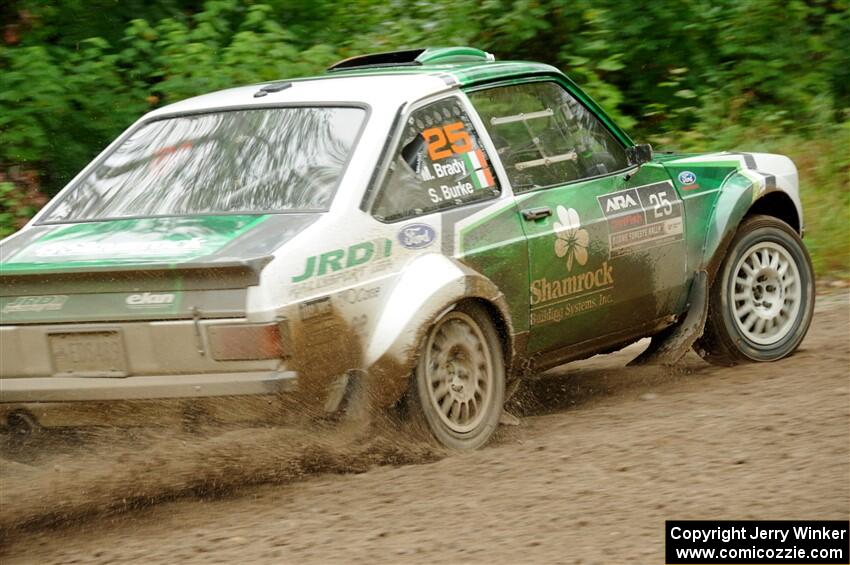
[(342, 259), (35, 304)]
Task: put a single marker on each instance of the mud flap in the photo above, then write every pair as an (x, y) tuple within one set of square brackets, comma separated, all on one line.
[(508, 419), (348, 398), (339, 390), (669, 346)]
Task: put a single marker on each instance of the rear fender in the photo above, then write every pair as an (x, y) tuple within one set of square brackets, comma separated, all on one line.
[(429, 287)]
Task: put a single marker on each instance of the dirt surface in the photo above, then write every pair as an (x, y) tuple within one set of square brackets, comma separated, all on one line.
[(602, 456)]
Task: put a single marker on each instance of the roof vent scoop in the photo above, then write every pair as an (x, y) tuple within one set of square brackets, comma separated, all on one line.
[(415, 57)]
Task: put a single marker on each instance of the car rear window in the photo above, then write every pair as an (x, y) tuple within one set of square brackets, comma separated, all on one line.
[(261, 160)]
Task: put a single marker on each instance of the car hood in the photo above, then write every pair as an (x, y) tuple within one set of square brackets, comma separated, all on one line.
[(204, 251)]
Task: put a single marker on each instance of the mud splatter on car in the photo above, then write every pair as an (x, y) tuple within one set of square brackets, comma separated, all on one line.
[(432, 223)]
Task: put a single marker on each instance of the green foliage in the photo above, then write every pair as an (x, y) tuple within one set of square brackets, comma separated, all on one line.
[(19, 200), (694, 74)]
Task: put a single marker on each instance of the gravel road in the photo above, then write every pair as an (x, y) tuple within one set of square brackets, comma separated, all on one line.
[(602, 456)]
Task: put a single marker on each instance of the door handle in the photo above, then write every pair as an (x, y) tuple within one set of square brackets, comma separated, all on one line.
[(538, 213)]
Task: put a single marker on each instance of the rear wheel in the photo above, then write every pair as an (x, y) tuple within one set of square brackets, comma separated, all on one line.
[(459, 386), (761, 302)]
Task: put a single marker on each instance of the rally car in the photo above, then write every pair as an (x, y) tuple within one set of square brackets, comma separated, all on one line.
[(432, 224)]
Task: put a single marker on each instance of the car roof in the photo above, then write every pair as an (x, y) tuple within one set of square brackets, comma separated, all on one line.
[(457, 74), (371, 90), (371, 83)]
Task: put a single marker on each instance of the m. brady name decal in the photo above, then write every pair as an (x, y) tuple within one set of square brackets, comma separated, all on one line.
[(454, 167), (470, 170)]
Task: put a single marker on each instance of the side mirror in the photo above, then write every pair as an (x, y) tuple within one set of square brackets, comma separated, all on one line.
[(639, 154)]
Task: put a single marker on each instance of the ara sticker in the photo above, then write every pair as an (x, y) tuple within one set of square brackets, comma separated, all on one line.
[(687, 178), (642, 217)]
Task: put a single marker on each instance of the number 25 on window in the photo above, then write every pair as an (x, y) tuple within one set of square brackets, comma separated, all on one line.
[(439, 138)]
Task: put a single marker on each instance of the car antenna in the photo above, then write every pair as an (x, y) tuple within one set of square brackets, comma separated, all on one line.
[(273, 87)]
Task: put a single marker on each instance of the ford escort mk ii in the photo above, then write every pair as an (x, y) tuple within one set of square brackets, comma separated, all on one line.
[(432, 225)]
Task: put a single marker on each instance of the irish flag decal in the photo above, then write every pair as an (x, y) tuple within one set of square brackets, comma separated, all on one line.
[(481, 175)]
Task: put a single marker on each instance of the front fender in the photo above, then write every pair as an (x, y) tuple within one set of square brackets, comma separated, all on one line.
[(738, 193), (428, 287), (736, 197)]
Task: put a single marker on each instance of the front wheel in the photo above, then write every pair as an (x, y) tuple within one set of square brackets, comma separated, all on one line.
[(761, 303), (459, 386)]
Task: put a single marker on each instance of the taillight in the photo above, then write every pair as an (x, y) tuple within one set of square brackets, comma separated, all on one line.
[(244, 342)]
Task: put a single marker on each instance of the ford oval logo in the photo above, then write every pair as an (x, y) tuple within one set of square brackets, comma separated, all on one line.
[(416, 236), (687, 177)]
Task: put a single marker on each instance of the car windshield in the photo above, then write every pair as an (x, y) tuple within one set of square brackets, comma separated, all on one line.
[(263, 160)]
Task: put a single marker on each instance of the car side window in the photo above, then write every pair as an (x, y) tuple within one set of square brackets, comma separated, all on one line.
[(545, 137), (440, 163)]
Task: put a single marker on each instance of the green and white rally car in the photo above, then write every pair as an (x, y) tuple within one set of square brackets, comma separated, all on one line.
[(432, 224)]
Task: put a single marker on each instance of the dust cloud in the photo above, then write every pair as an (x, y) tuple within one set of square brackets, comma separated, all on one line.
[(61, 477)]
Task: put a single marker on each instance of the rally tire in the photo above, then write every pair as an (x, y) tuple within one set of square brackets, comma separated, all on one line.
[(458, 387), (762, 299)]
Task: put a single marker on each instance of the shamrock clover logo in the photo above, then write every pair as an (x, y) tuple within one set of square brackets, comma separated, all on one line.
[(572, 240)]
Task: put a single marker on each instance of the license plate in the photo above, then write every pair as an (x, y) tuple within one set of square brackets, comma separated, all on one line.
[(88, 354)]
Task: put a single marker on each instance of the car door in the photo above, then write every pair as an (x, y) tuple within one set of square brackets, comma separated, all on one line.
[(605, 239)]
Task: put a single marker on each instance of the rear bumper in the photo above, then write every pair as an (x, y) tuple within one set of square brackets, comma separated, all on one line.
[(162, 400), (73, 389)]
